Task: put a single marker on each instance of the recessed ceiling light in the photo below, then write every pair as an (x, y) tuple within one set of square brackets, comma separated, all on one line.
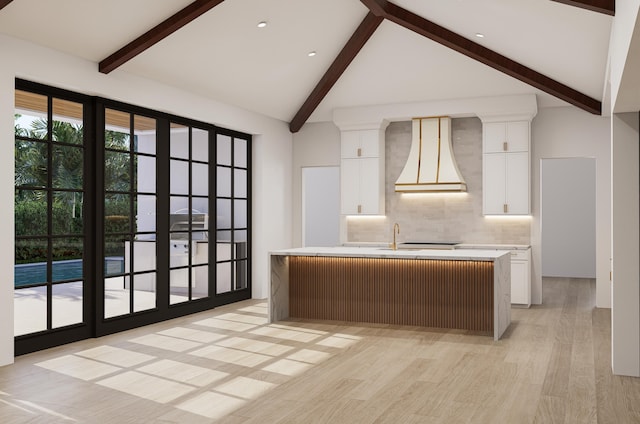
[(262, 24), (311, 54), (479, 35)]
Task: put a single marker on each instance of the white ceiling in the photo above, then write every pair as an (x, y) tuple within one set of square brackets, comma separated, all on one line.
[(224, 55)]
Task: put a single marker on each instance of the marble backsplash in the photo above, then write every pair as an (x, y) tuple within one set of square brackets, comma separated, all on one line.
[(434, 216)]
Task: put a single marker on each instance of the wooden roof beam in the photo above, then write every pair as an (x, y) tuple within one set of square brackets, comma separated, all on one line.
[(482, 54), (608, 7), (157, 33), (3, 3), (359, 38)]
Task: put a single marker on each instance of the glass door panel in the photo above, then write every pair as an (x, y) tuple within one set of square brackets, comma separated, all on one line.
[(188, 213), (50, 270), (130, 198)]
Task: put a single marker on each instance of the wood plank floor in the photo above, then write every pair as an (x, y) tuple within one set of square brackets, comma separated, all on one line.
[(229, 365)]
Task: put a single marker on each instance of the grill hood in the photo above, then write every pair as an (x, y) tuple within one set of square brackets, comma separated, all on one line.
[(431, 166)]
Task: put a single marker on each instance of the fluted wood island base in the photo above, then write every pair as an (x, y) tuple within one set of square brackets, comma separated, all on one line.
[(447, 289)]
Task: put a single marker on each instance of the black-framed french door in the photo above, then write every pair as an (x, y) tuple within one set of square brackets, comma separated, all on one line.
[(156, 221), (53, 287), (163, 233)]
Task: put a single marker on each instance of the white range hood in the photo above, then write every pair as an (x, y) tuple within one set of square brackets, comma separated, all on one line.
[(431, 166)]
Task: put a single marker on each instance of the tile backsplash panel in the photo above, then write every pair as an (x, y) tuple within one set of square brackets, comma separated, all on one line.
[(438, 217)]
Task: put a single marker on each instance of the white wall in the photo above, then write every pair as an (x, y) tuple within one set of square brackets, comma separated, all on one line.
[(6, 215), (316, 144), (625, 245), (568, 217), (321, 206), (570, 132), (272, 151)]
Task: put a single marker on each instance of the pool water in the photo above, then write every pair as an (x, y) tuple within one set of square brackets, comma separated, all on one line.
[(26, 274)]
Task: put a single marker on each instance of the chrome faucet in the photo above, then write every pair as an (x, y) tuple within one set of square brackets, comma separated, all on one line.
[(396, 229)]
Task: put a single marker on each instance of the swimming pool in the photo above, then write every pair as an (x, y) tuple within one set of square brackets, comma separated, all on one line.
[(25, 274)]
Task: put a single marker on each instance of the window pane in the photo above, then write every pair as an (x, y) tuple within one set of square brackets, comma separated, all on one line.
[(67, 258), (68, 167), (31, 168), (241, 275), (30, 115), (179, 144), (200, 204), (200, 179), (116, 296), (144, 134), (144, 256), (179, 253), (200, 145), (30, 212), (223, 277), (179, 204), (240, 236), (114, 253), (240, 153), (241, 249), (223, 183), (146, 216), (201, 253), (32, 251), (178, 286), (118, 129), (117, 213), (117, 173), (223, 213), (30, 310), (146, 174), (66, 308), (67, 121), (240, 213), (144, 294), (239, 183), (67, 212), (179, 176), (31, 265), (223, 150), (223, 252), (200, 283)]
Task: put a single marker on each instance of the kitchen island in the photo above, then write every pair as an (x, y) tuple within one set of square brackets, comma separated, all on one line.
[(461, 289)]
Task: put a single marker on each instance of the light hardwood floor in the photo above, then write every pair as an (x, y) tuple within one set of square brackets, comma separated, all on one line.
[(229, 365)]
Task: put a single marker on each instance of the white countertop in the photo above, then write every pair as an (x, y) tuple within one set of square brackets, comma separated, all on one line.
[(381, 252), (492, 246)]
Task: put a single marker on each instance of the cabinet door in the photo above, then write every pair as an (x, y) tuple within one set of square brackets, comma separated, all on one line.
[(350, 143), (369, 186), (494, 136), (349, 186), (517, 136), (360, 144), (517, 183), (369, 143), (519, 283), (493, 183)]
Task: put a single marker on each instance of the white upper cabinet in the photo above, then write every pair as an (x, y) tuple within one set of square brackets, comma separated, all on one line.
[(361, 144), (506, 168), (506, 137), (362, 172)]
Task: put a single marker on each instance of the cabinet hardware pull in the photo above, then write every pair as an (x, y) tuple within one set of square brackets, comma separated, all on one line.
[(359, 208), (505, 146), (505, 208), (359, 151)]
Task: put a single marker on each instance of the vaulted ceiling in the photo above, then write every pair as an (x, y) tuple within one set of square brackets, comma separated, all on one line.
[(367, 52)]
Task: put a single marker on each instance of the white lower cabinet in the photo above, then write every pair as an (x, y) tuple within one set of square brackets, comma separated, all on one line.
[(521, 277)]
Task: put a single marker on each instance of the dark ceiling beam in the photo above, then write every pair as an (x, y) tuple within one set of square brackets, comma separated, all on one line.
[(156, 34), (359, 38), (608, 7), (482, 54), (3, 3)]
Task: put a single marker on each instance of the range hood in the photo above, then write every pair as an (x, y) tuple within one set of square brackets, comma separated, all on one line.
[(431, 166)]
